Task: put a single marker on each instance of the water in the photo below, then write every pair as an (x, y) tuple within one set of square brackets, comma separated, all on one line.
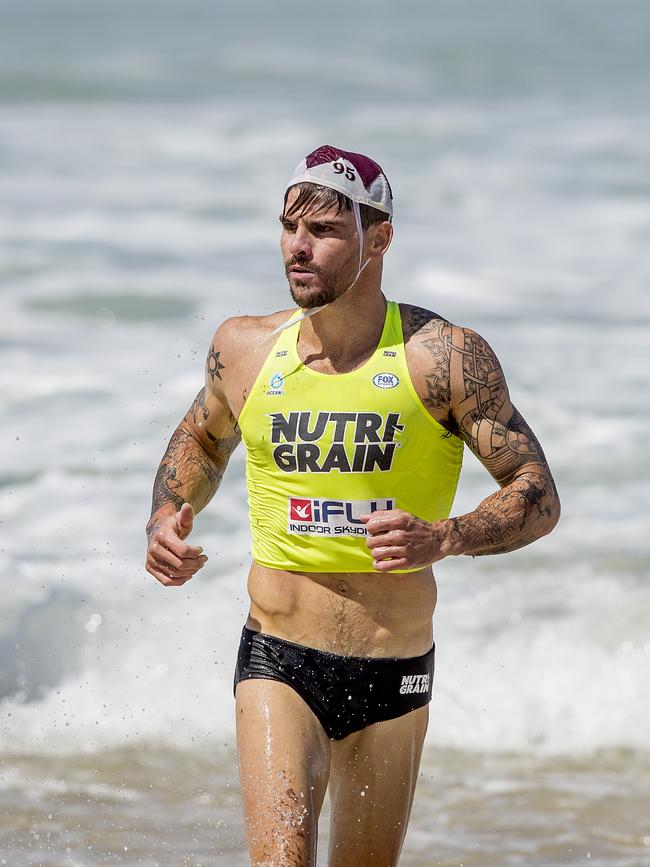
[(143, 152)]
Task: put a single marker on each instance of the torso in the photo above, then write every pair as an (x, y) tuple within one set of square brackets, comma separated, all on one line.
[(356, 614)]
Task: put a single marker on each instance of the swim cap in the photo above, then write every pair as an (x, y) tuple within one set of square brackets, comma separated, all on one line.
[(355, 175)]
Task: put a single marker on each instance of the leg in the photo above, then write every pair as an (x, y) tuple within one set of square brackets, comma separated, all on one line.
[(284, 758), (374, 773)]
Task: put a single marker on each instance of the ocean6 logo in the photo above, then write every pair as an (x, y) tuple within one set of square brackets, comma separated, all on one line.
[(276, 385), (385, 380), (321, 517)]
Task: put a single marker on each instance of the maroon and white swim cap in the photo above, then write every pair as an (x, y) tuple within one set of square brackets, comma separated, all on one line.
[(355, 175)]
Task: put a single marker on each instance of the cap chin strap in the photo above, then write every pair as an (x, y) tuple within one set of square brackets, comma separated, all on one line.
[(357, 218)]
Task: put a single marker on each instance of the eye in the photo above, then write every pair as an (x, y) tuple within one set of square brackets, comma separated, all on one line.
[(322, 228), (288, 225)]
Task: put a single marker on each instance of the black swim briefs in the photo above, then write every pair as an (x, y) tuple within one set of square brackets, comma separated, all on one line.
[(346, 693)]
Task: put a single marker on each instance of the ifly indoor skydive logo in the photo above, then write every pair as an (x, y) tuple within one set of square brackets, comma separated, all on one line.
[(332, 517)]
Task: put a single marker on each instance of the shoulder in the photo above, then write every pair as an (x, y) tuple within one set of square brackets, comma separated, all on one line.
[(427, 348), (238, 331), (447, 362), (429, 334), (238, 337), (237, 352), (418, 323), (427, 338)]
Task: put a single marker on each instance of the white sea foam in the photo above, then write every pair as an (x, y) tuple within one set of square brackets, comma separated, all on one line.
[(552, 663)]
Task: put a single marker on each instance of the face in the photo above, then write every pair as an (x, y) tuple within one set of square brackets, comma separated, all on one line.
[(321, 253)]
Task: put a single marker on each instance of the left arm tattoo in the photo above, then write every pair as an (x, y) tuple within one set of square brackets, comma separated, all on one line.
[(527, 506)]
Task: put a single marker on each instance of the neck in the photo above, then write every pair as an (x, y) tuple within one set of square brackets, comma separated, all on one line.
[(347, 327)]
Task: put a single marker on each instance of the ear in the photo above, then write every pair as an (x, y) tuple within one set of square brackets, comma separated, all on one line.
[(379, 236)]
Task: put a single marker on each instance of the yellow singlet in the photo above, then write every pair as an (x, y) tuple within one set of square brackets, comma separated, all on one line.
[(323, 449)]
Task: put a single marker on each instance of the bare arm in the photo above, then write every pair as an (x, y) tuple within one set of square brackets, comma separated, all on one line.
[(527, 505), (196, 457), (460, 380), (190, 473)]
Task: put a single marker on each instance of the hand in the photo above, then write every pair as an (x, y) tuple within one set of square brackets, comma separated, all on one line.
[(169, 559), (399, 540)]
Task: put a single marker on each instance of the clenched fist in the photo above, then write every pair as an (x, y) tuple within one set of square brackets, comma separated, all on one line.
[(169, 558), (399, 540)]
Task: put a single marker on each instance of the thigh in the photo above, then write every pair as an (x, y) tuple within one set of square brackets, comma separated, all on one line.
[(284, 758), (373, 779)]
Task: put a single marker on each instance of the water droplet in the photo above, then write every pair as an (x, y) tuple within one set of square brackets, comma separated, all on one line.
[(93, 623)]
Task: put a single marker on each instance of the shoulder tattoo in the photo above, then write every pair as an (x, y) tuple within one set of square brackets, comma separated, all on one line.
[(420, 321), (213, 364), (437, 378)]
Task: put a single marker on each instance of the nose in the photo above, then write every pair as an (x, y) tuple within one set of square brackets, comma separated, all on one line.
[(300, 243)]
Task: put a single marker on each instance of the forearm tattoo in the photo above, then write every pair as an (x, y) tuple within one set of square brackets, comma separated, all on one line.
[(186, 473), (192, 467), (166, 485)]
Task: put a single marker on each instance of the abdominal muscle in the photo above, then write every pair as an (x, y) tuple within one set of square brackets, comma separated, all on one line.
[(369, 614)]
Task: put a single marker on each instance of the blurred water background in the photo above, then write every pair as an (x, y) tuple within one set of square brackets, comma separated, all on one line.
[(143, 151)]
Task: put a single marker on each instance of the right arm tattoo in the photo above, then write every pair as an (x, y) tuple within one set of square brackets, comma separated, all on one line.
[(196, 457), (187, 473)]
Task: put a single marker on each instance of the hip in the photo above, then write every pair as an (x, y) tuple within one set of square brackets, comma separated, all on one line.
[(352, 614)]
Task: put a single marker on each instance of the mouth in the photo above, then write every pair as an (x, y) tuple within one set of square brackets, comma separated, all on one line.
[(299, 269)]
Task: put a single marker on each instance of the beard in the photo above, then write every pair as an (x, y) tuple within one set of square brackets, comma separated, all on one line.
[(332, 286)]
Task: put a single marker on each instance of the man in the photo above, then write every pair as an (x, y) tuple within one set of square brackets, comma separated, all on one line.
[(354, 411)]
